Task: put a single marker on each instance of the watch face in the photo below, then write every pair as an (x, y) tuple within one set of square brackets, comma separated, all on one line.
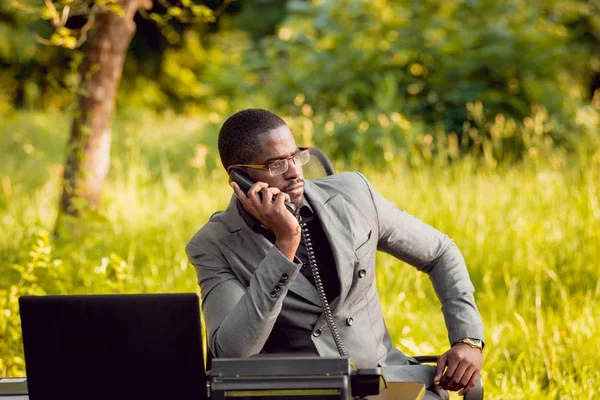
[(474, 342)]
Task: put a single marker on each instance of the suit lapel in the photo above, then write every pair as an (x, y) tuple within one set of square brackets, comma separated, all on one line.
[(253, 247), (333, 215)]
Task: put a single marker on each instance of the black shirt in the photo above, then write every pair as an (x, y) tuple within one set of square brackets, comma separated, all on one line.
[(320, 244)]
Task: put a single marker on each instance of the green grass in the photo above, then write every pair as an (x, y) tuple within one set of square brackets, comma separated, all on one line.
[(530, 235)]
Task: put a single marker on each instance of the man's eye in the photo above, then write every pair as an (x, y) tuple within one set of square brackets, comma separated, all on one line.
[(276, 164)]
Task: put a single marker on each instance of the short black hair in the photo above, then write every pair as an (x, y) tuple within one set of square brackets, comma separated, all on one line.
[(239, 136)]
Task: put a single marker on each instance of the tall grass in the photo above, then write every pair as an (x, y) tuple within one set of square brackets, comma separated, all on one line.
[(530, 235)]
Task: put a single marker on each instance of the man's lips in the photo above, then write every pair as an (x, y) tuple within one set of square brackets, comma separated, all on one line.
[(297, 188)]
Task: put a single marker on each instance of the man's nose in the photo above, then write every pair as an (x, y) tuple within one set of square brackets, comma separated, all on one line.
[(294, 169)]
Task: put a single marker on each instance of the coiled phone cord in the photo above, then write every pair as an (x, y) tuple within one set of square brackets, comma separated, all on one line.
[(320, 289)]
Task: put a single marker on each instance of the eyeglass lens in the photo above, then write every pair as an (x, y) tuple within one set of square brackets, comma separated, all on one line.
[(281, 166)]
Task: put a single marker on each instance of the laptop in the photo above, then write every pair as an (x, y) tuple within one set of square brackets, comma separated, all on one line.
[(118, 347)]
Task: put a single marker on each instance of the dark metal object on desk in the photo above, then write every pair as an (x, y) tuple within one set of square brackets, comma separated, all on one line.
[(291, 377)]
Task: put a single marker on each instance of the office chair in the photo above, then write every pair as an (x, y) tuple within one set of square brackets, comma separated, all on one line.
[(320, 166)]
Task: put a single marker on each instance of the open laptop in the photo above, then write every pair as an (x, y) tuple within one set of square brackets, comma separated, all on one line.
[(140, 346)]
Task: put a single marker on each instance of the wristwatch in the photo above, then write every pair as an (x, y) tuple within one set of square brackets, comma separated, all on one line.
[(474, 343)]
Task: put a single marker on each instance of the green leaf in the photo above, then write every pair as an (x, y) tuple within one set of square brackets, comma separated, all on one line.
[(70, 42), (175, 11), (63, 31)]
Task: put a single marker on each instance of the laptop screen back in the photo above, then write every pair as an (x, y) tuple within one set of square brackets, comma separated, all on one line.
[(142, 346)]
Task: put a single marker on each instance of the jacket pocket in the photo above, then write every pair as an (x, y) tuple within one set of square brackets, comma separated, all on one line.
[(363, 249)]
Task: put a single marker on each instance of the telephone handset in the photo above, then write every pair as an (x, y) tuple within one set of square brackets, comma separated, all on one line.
[(245, 183)]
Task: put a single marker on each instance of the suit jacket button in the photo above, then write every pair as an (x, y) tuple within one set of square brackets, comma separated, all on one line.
[(349, 321), (317, 332), (282, 282), (285, 277), (362, 273), (273, 294), (277, 288)]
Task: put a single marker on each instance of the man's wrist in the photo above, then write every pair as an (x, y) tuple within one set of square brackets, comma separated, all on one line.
[(287, 247), (471, 342)]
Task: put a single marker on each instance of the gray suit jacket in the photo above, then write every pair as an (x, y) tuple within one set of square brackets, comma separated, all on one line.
[(254, 299)]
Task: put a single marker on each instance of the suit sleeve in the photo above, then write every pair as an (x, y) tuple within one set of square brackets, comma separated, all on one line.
[(239, 320), (434, 253)]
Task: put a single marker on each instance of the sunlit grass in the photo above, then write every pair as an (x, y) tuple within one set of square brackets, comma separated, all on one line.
[(530, 235), (531, 240)]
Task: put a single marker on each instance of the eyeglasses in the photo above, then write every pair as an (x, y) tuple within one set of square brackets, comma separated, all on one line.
[(281, 166)]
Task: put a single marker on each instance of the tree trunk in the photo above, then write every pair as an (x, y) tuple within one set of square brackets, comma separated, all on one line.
[(595, 85), (88, 148)]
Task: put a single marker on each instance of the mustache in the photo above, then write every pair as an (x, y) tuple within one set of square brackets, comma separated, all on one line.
[(293, 184)]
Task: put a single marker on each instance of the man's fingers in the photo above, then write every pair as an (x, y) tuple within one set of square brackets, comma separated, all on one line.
[(253, 193), (269, 193), (446, 380), (439, 369), (257, 187), (251, 200), (236, 188), (470, 385), (263, 198), (239, 193), (281, 197), (466, 377), (269, 197), (462, 368), (454, 376)]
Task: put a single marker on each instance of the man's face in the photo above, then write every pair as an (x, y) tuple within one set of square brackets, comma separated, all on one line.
[(279, 144)]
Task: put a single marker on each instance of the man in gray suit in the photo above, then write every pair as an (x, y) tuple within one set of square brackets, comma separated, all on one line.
[(253, 264)]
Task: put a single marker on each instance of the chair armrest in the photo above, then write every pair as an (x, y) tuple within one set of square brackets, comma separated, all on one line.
[(426, 359)]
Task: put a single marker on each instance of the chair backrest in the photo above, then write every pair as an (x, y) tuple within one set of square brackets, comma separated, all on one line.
[(318, 166)]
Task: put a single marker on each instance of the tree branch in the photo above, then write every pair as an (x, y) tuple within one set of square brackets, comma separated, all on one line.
[(25, 8), (222, 8), (42, 40), (65, 15), (85, 28), (165, 4), (53, 12)]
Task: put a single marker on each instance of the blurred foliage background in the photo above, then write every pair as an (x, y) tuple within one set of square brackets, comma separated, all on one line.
[(480, 117), (488, 77)]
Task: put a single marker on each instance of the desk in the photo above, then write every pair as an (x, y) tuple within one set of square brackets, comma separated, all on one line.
[(394, 391)]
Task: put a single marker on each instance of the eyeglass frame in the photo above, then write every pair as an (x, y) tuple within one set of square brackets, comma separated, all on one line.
[(301, 150)]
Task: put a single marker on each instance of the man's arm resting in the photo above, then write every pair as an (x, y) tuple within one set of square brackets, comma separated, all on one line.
[(427, 249), (432, 252), (239, 320)]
